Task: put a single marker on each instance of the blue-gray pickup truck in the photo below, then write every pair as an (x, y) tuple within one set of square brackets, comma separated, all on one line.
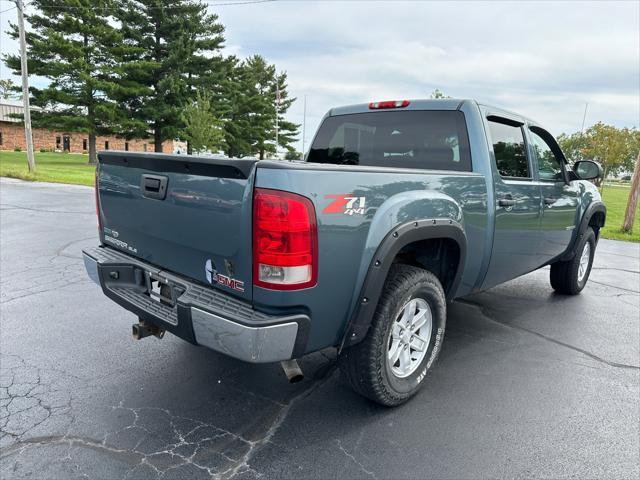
[(398, 208)]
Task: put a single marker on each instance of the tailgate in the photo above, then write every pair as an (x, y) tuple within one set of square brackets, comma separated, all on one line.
[(189, 215)]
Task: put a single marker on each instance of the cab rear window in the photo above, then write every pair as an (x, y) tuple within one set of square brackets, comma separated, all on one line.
[(435, 140)]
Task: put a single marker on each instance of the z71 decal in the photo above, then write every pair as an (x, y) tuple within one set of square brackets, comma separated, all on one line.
[(346, 204)]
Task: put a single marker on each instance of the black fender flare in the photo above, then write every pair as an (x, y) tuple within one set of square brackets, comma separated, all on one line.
[(394, 241), (592, 209)]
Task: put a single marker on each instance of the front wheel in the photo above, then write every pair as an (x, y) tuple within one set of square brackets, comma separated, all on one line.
[(570, 277), (404, 339)]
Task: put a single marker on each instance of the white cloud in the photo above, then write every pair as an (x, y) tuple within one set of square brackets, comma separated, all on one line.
[(542, 59)]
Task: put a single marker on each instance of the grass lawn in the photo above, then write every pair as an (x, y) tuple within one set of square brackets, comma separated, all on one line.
[(615, 198), (73, 168), (50, 167)]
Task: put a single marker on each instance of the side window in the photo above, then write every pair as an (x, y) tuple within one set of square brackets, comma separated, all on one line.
[(549, 166), (509, 149)]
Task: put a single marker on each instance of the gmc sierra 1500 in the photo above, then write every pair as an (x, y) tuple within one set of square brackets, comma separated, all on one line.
[(398, 208)]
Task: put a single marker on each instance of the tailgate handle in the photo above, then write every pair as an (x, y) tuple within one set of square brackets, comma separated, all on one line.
[(154, 186)]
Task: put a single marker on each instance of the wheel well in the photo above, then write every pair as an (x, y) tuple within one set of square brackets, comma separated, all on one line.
[(440, 256), (596, 222)]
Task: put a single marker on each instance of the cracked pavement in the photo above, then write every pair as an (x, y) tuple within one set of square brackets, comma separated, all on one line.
[(529, 383)]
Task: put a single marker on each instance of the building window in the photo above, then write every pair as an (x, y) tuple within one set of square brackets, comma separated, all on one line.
[(106, 145), (58, 142), (144, 147), (126, 146), (0, 138), (84, 144)]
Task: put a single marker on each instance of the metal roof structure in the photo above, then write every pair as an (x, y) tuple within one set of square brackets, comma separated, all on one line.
[(7, 109)]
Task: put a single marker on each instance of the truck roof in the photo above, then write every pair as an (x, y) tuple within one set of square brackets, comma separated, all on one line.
[(415, 104), (429, 104)]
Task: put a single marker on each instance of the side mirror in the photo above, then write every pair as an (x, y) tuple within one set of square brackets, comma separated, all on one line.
[(587, 170)]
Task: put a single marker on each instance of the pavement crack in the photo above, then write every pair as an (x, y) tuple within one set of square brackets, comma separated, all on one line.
[(614, 286), (355, 460), (256, 445), (46, 290), (44, 210), (617, 269), (65, 440), (593, 356), (60, 251)]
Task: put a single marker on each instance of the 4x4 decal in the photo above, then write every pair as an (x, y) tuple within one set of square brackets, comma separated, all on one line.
[(347, 204)]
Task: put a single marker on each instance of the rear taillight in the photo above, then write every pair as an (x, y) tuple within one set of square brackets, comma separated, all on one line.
[(285, 241), (97, 192), (389, 104)]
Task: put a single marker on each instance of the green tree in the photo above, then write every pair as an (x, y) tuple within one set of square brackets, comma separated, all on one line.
[(75, 46), (614, 148), (287, 131), (177, 50), (202, 129), (437, 93), (8, 89), (573, 146), (239, 125), (293, 155), (250, 127)]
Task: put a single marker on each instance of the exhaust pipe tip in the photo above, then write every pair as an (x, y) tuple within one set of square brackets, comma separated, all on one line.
[(292, 370)]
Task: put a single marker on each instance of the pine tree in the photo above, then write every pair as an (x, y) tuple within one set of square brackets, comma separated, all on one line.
[(177, 51), (75, 46), (287, 131), (250, 128), (203, 129), (238, 126)]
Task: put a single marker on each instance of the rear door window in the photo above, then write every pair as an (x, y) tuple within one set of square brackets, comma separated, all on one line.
[(408, 139), (510, 150)]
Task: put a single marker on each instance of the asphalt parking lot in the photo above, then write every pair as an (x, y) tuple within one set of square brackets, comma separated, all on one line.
[(529, 383)]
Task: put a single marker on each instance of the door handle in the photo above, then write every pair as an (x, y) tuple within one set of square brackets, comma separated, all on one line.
[(154, 186), (506, 201), (550, 200)]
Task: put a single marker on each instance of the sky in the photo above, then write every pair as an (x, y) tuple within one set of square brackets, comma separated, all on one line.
[(545, 60)]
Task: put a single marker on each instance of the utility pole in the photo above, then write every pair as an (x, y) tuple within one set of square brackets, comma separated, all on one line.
[(584, 117), (25, 87), (304, 124), (277, 109)]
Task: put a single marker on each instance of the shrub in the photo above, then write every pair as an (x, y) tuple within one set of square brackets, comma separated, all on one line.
[(17, 149), (43, 150)]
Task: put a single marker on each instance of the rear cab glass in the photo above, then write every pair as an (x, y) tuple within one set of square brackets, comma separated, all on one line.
[(416, 139)]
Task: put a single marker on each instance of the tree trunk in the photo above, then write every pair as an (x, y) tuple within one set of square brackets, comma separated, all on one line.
[(261, 154), (92, 149), (157, 139), (632, 204)]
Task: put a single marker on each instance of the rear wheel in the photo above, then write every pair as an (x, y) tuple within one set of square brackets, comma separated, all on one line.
[(404, 339), (570, 277)]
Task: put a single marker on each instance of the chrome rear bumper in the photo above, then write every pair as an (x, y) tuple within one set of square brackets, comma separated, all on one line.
[(201, 315)]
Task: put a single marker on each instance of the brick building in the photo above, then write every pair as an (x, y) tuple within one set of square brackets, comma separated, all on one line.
[(12, 137)]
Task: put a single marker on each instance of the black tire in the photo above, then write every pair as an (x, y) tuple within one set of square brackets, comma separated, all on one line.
[(564, 276), (365, 364)]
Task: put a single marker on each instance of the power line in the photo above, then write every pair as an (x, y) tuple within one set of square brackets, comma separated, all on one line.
[(209, 3), (246, 2)]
